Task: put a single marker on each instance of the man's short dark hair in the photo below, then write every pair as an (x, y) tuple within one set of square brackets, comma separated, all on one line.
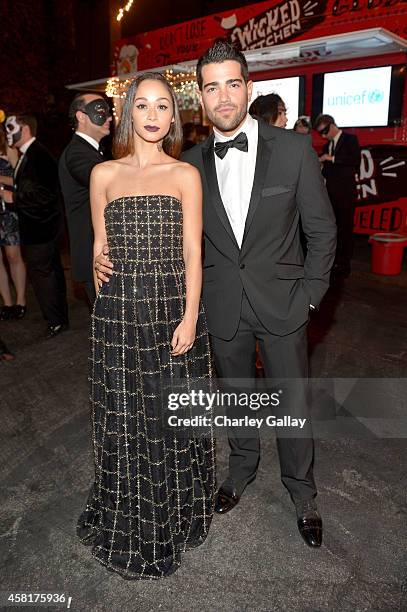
[(77, 104), (29, 120), (267, 107), (323, 120), (220, 52)]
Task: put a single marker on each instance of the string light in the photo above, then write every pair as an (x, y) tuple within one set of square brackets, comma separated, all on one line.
[(183, 84), (116, 88), (126, 8)]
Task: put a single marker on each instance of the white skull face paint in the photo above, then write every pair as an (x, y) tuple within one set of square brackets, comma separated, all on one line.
[(13, 129)]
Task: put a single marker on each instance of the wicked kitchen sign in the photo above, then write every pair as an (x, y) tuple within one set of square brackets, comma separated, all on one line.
[(277, 25), (256, 26), (253, 27)]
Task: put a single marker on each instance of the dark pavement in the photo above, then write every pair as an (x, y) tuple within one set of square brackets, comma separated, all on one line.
[(254, 559)]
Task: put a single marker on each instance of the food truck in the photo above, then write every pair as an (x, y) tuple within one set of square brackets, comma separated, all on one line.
[(341, 57)]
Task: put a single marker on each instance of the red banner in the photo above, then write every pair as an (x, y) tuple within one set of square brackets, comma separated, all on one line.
[(382, 190), (389, 217), (257, 26)]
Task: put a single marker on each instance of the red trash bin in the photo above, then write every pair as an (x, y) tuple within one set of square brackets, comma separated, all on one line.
[(387, 253)]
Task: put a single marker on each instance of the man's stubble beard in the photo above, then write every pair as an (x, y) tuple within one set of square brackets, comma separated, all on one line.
[(227, 125)]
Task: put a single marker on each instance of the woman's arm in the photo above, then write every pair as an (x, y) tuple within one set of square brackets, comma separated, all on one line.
[(192, 241), (6, 180), (191, 197), (98, 182)]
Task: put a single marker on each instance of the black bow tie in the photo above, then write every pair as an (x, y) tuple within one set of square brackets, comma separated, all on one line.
[(240, 142)]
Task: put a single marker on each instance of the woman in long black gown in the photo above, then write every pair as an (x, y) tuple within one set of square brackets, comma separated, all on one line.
[(153, 492)]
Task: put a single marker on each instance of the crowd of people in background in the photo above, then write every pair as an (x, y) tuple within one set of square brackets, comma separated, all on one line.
[(31, 210)]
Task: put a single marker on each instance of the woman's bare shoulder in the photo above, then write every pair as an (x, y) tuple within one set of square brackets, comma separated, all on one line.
[(186, 171), (108, 168)]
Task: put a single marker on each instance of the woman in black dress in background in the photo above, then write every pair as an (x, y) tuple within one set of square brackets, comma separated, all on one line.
[(10, 240), (153, 492)]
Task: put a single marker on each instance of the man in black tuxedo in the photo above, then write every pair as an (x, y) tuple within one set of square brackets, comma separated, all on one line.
[(90, 117), (258, 181), (340, 162), (36, 199)]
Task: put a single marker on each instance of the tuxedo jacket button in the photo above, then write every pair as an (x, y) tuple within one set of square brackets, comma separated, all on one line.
[(242, 266)]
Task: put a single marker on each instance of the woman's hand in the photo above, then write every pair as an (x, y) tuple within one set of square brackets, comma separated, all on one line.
[(6, 195), (183, 338)]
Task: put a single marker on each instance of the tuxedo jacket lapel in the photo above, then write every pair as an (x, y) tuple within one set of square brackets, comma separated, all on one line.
[(338, 144), (84, 143), (264, 149), (20, 167), (213, 185)]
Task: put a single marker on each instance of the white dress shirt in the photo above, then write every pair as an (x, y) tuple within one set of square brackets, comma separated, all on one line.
[(89, 139), (24, 147), (235, 173)]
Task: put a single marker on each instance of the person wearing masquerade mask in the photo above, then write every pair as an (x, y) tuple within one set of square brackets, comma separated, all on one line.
[(340, 162), (153, 492), (10, 240), (90, 117), (37, 204)]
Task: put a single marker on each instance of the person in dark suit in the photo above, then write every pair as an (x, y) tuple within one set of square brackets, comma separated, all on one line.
[(340, 162), (189, 136), (90, 117), (258, 181), (36, 200)]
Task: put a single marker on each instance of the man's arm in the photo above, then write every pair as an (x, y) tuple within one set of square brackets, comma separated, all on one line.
[(318, 223), (80, 166)]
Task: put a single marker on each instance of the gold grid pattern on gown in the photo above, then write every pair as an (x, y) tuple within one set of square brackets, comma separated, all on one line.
[(153, 492)]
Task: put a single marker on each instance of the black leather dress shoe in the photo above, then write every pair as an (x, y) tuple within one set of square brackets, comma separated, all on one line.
[(6, 313), (309, 523), (226, 500), (55, 330), (19, 311)]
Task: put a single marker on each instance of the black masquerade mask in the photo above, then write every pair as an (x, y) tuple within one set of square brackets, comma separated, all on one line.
[(98, 111)]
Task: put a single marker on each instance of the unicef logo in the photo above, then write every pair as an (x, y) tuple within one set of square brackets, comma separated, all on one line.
[(375, 96), (362, 97)]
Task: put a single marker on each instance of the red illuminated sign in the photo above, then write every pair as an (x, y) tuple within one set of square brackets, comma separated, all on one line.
[(256, 26)]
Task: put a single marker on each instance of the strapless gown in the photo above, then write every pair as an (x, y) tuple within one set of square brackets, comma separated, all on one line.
[(153, 493)]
